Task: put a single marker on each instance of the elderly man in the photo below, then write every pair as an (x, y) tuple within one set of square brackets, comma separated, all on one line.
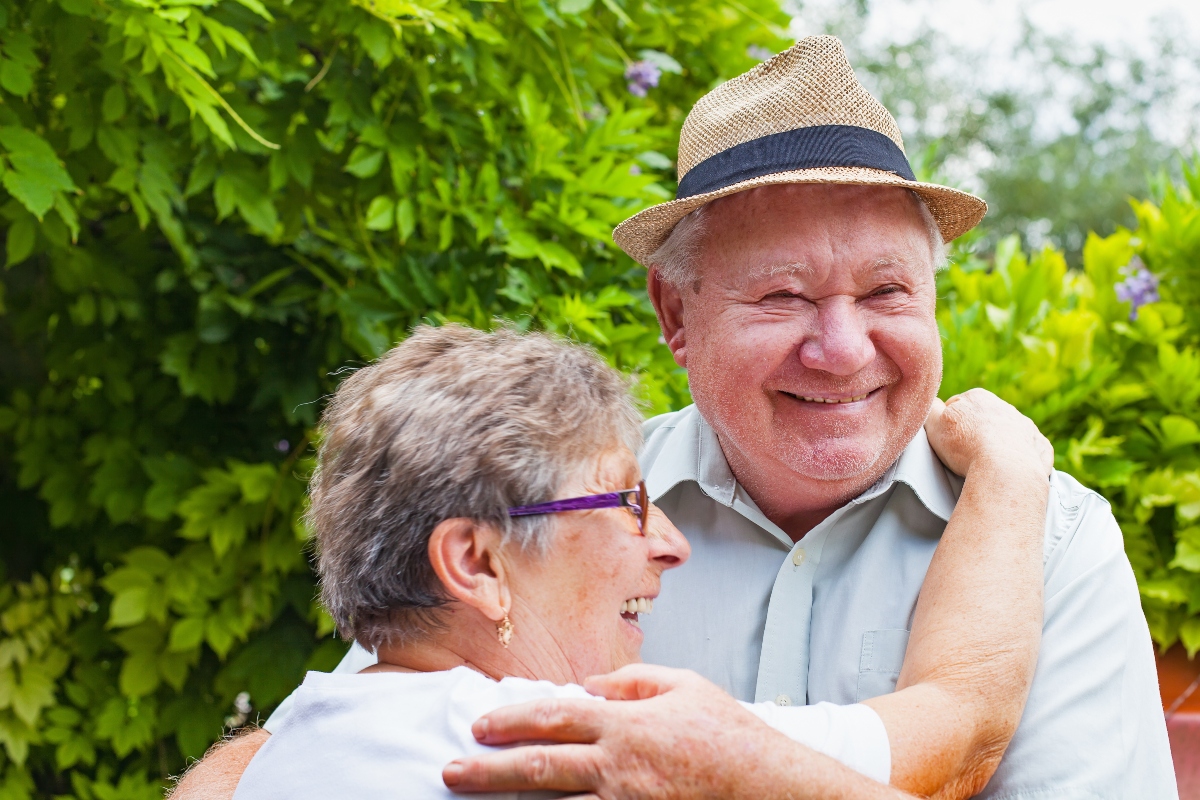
[(794, 279)]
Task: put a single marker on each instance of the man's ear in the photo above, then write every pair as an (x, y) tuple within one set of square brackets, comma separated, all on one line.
[(668, 305), (465, 556)]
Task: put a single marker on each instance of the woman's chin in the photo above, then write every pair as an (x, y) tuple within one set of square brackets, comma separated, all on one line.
[(631, 636)]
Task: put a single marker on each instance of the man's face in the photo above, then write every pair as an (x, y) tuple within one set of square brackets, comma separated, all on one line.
[(809, 335)]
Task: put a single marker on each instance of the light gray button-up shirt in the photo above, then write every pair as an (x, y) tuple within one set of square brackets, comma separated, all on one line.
[(827, 618)]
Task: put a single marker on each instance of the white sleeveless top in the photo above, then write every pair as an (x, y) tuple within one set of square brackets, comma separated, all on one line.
[(389, 734)]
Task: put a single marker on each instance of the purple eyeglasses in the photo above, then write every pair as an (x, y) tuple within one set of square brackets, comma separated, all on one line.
[(633, 499)]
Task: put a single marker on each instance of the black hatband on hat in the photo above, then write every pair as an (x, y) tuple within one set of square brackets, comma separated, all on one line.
[(802, 148)]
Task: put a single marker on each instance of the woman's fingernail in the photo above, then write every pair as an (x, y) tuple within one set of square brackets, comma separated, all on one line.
[(480, 729), (452, 774)]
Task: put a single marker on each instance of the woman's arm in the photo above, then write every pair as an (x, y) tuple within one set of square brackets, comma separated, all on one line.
[(216, 776), (977, 628)]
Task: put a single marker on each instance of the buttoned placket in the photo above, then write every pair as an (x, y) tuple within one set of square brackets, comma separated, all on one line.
[(783, 664)]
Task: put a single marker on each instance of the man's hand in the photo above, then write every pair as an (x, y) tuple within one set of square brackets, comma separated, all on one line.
[(977, 426), (678, 737)]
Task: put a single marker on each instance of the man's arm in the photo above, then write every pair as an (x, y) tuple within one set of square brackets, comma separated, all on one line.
[(974, 643), (215, 777)]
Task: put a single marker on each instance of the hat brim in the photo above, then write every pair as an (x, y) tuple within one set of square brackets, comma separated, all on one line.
[(954, 211)]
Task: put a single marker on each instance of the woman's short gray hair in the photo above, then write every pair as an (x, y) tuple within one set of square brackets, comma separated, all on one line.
[(676, 257), (453, 422)]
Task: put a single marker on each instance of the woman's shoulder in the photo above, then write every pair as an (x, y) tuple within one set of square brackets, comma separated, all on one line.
[(356, 734), (454, 698)]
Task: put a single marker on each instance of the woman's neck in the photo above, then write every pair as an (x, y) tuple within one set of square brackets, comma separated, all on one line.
[(473, 643)]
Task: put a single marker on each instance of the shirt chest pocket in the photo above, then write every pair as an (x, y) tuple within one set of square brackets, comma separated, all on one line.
[(880, 662)]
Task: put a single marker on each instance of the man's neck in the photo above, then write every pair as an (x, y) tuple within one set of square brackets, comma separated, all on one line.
[(796, 503)]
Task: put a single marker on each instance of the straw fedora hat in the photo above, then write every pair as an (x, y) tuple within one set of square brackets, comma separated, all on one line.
[(800, 117)]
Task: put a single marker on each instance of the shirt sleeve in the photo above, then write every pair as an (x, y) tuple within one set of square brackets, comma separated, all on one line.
[(1093, 726), (356, 659), (854, 734)]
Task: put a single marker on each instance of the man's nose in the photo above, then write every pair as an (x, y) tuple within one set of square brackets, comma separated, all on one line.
[(840, 344), (668, 546)]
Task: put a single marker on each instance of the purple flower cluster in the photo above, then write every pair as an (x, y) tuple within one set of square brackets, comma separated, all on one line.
[(1139, 287), (642, 76)]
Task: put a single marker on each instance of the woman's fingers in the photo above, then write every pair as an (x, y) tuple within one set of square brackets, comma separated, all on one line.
[(977, 423), (541, 721), (561, 767)]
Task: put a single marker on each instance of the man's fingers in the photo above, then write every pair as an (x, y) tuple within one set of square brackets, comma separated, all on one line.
[(558, 767), (577, 721), (637, 682)]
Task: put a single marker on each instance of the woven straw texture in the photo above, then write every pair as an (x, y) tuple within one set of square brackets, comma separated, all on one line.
[(809, 84)]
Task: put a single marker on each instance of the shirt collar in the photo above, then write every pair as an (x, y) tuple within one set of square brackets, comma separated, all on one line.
[(690, 451)]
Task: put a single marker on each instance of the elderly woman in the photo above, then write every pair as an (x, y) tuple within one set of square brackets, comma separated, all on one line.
[(482, 525)]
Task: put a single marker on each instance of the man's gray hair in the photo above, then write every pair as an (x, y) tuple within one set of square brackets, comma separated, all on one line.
[(676, 257), (453, 422)]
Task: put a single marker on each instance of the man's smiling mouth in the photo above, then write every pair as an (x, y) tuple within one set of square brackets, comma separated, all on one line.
[(830, 400)]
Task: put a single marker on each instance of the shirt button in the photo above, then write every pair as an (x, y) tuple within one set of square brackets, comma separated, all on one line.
[(798, 556), (783, 700)]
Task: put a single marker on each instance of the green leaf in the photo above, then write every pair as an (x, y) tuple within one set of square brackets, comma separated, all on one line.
[(381, 213), (15, 78), (112, 108), (364, 161), (32, 693), (258, 8), (1189, 633), (575, 6), (20, 240), (36, 173), (406, 219), (128, 607), (186, 634), (1178, 431), (662, 61), (139, 674)]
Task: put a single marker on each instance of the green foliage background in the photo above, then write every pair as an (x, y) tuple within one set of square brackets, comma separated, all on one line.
[(212, 207)]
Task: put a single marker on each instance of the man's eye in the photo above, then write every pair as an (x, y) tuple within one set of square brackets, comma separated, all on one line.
[(885, 290)]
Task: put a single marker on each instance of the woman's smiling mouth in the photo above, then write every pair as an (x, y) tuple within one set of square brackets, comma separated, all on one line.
[(634, 606)]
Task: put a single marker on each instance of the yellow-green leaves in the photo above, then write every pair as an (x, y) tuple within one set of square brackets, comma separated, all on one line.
[(1119, 397), (34, 175)]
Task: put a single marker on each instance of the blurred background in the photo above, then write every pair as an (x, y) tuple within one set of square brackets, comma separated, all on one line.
[(212, 210)]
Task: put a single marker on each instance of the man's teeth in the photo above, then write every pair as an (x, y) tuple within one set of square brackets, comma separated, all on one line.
[(825, 400), (638, 605)]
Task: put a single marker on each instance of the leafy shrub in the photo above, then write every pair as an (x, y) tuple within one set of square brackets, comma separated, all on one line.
[(1114, 383), (210, 208)]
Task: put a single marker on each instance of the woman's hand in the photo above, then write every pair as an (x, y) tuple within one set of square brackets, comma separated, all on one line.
[(977, 426)]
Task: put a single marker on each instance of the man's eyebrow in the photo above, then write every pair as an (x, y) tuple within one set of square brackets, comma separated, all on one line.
[(890, 261), (798, 268)]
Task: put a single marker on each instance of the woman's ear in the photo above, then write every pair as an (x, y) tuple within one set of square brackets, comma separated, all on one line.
[(465, 556)]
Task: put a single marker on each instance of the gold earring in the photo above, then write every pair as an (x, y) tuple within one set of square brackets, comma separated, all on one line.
[(504, 630)]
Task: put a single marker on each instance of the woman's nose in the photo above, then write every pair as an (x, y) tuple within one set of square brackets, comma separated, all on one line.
[(668, 546), (840, 344)]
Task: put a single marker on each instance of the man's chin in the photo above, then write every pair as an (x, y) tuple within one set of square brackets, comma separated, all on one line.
[(839, 462)]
